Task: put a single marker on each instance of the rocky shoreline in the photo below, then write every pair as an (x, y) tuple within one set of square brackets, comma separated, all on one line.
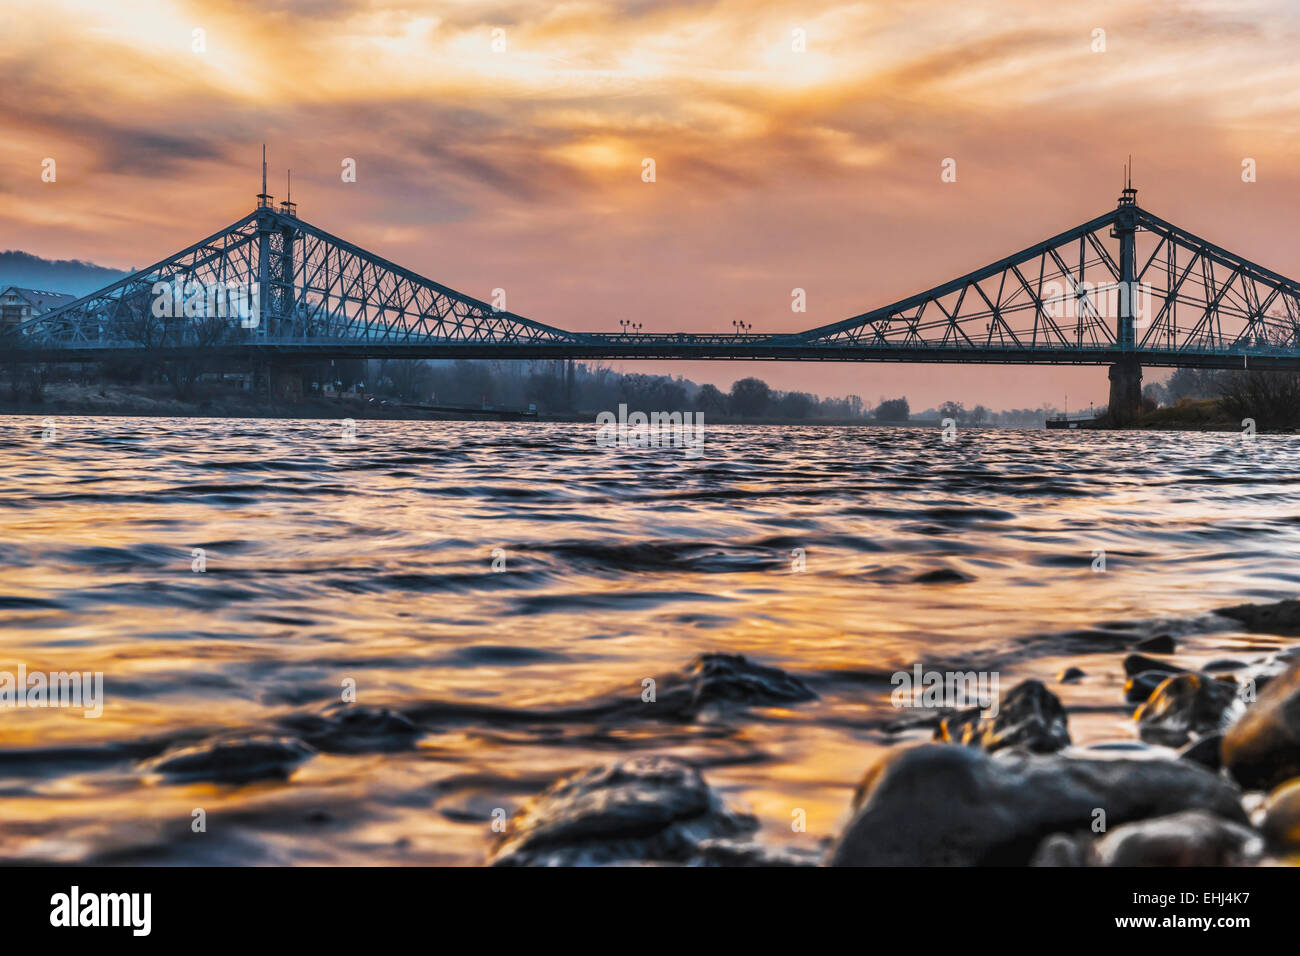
[(1209, 777), (1217, 784)]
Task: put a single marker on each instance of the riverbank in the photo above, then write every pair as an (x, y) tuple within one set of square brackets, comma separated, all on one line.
[(1189, 415), (160, 401), (1204, 415)]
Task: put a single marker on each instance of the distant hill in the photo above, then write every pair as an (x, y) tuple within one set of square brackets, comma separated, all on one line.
[(53, 275)]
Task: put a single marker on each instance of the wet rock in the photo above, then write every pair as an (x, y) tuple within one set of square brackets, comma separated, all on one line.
[(1140, 687), (719, 679), (348, 728), (750, 853), (709, 683), (1160, 644), (934, 805), (1281, 819), (1062, 849), (1204, 751), (1262, 749), (234, 761), (1183, 707), (1137, 664), (645, 809), (1030, 716), (1280, 618), (942, 576), (1191, 838), (1071, 675)]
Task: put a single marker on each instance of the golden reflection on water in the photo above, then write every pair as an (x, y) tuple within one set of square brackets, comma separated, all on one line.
[(372, 561)]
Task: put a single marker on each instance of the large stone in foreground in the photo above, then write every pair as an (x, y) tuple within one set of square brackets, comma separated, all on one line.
[(1190, 838), (1281, 822), (1262, 749), (1193, 838), (938, 805), (641, 810)]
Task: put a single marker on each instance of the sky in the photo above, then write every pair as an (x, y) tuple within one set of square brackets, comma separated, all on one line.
[(501, 144)]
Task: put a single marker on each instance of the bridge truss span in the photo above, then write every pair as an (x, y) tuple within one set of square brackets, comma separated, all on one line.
[(1126, 287), (1127, 283), (304, 287)]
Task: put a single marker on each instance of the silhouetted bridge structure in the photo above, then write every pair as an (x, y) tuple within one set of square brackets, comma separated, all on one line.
[(1126, 289)]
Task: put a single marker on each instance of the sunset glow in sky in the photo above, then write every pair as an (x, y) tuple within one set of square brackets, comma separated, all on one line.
[(521, 168)]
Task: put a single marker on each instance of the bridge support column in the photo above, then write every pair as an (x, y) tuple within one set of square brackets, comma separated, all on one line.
[(1125, 392), (278, 380), (286, 382)]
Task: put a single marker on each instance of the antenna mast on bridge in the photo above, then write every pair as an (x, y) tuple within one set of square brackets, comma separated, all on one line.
[(264, 199)]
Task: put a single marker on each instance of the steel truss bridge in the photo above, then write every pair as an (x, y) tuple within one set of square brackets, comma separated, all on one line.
[(1182, 301)]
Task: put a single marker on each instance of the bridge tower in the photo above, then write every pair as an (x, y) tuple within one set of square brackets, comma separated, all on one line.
[(1126, 374), (276, 243)]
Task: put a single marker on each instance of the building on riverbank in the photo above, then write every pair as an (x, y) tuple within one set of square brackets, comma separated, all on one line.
[(18, 305)]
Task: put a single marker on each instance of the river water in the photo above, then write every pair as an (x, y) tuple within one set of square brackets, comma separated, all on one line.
[(516, 585)]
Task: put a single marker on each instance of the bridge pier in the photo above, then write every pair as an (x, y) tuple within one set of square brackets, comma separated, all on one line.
[(1126, 374), (1125, 392), (278, 379)]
